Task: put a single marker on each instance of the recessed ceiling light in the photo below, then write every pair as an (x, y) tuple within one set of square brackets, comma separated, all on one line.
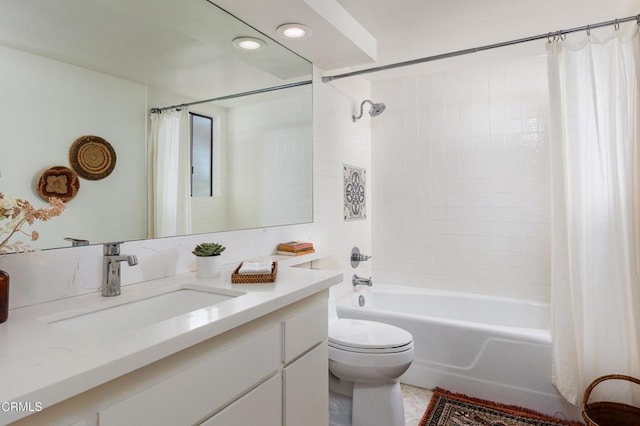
[(294, 31), (248, 43)]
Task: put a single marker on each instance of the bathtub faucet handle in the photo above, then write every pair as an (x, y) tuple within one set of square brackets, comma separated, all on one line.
[(357, 257), (356, 280)]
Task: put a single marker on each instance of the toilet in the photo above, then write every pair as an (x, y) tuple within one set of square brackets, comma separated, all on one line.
[(366, 358)]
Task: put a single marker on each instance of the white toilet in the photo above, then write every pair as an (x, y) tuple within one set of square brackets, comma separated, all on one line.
[(366, 358)]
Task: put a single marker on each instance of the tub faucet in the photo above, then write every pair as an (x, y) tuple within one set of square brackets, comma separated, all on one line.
[(111, 268), (356, 280)]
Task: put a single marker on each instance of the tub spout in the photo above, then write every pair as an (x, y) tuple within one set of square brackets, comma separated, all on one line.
[(356, 280)]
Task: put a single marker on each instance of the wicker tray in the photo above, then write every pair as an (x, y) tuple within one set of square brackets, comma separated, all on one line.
[(237, 278), (605, 413)]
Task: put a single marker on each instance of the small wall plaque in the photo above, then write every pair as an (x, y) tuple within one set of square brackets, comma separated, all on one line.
[(355, 188)]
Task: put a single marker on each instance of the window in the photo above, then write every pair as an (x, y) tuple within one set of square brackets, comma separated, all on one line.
[(201, 155)]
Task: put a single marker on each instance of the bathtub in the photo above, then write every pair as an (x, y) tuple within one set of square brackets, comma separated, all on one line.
[(489, 347)]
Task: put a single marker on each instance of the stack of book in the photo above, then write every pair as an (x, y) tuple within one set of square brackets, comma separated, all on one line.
[(295, 248)]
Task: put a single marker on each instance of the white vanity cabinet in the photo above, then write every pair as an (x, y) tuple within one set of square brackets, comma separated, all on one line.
[(270, 371)]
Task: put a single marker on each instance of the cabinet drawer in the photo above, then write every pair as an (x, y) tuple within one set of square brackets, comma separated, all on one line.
[(194, 393), (304, 331), (262, 406)]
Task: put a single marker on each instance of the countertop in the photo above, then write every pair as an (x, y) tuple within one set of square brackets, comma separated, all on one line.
[(45, 364)]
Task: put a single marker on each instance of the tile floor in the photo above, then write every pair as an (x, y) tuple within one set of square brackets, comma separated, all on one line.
[(415, 400)]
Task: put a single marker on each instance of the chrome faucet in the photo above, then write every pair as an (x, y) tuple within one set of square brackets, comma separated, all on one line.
[(356, 280), (111, 268)]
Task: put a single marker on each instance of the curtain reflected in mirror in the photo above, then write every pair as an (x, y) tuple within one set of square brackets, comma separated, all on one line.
[(170, 177)]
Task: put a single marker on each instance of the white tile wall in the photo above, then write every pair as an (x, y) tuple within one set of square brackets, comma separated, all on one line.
[(53, 274), (460, 177)]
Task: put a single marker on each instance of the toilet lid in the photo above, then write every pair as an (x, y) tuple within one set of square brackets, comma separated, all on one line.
[(367, 335)]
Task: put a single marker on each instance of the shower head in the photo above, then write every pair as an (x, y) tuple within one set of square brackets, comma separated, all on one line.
[(374, 111), (377, 109)]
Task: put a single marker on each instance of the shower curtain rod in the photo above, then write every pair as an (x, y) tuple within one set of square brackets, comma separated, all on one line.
[(550, 36), (237, 95)]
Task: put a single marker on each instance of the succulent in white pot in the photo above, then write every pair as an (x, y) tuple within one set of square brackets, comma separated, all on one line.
[(208, 259)]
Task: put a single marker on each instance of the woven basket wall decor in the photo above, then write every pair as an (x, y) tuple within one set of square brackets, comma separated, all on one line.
[(58, 181), (92, 157)]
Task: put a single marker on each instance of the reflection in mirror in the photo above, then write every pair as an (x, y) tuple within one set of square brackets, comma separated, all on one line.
[(74, 68)]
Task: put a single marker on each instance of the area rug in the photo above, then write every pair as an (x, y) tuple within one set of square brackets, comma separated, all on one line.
[(453, 409)]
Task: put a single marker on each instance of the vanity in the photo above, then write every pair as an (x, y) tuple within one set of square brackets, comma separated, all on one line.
[(256, 355)]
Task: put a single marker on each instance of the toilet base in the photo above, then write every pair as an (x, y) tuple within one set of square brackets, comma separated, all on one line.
[(372, 404), (377, 404)]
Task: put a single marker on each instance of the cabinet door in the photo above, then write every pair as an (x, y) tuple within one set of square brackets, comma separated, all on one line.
[(306, 389), (262, 406)]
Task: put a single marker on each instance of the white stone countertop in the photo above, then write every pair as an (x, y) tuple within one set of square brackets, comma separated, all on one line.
[(45, 364)]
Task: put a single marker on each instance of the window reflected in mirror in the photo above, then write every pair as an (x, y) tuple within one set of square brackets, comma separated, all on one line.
[(201, 155)]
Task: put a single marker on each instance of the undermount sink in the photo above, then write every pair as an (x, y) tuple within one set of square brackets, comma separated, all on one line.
[(137, 314)]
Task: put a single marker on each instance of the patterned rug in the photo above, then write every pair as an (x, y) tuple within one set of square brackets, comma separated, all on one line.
[(453, 409)]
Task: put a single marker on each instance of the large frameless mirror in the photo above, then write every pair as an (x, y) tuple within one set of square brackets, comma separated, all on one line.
[(74, 68)]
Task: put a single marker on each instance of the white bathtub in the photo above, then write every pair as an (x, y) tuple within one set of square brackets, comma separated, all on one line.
[(489, 347)]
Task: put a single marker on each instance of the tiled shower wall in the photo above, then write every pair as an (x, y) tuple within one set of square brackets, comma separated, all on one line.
[(461, 180)]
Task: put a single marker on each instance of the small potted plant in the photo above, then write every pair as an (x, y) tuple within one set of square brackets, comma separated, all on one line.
[(208, 259)]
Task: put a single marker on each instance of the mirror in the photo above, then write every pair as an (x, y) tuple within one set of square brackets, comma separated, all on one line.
[(75, 67)]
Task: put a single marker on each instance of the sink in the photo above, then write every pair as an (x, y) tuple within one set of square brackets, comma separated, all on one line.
[(137, 314)]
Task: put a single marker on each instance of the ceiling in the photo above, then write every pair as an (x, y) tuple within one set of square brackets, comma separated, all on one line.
[(409, 29)]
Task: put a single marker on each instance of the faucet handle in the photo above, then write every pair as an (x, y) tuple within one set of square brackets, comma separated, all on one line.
[(77, 242), (111, 249), (357, 257)]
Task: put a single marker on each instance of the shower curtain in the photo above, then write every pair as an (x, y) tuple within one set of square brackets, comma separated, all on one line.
[(170, 174), (594, 138)]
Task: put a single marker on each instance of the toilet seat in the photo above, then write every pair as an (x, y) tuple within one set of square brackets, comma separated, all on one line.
[(392, 350), (368, 337)]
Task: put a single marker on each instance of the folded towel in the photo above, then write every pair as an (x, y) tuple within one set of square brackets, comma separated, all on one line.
[(255, 267)]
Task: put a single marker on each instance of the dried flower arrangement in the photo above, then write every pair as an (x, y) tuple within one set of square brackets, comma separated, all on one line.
[(15, 213)]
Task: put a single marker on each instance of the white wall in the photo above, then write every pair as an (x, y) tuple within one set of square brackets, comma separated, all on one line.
[(52, 274), (461, 179), (81, 102)]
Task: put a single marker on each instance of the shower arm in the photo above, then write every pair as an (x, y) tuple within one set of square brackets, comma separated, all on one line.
[(353, 117)]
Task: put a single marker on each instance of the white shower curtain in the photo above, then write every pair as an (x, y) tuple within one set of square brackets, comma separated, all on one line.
[(170, 177), (595, 287)]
